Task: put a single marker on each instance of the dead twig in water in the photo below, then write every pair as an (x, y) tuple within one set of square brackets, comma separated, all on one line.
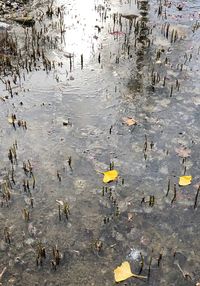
[(2, 273)]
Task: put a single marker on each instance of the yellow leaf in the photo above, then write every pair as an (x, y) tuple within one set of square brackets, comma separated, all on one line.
[(129, 121), (185, 180), (124, 272), (110, 176)]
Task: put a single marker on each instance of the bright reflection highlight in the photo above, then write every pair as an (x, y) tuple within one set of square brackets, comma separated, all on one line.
[(79, 20)]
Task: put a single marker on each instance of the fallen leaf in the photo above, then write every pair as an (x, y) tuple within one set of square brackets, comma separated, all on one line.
[(110, 176), (129, 121), (124, 272), (185, 180), (183, 152)]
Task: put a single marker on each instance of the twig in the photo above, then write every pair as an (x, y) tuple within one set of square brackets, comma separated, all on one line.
[(2, 273)]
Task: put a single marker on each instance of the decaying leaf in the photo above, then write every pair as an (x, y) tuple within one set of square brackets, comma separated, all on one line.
[(110, 176), (129, 121), (124, 272), (183, 152), (185, 180)]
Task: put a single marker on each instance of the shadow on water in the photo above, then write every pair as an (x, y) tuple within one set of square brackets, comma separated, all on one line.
[(142, 44)]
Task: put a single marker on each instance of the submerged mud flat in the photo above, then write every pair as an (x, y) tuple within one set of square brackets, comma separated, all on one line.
[(86, 88)]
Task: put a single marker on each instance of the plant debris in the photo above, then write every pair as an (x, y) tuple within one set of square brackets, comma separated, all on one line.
[(124, 272)]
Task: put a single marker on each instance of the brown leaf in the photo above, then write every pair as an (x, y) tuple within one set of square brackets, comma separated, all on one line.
[(183, 152), (129, 121)]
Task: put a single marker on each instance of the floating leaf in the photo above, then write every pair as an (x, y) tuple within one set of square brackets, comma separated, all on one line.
[(185, 180), (183, 152), (129, 121), (110, 176), (124, 272)]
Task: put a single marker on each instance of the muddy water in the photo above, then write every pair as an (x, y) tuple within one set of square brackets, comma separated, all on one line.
[(74, 112)]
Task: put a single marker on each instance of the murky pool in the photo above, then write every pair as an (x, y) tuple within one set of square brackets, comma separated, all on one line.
[(91, 87)]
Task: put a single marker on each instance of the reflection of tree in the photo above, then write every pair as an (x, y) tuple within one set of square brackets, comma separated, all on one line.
[(141, 44)]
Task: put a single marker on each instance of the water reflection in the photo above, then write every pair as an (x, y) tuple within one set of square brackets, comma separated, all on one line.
[(79, 26), (136, 83)]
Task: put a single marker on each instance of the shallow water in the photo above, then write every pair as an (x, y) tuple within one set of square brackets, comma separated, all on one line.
[(121, 76)]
